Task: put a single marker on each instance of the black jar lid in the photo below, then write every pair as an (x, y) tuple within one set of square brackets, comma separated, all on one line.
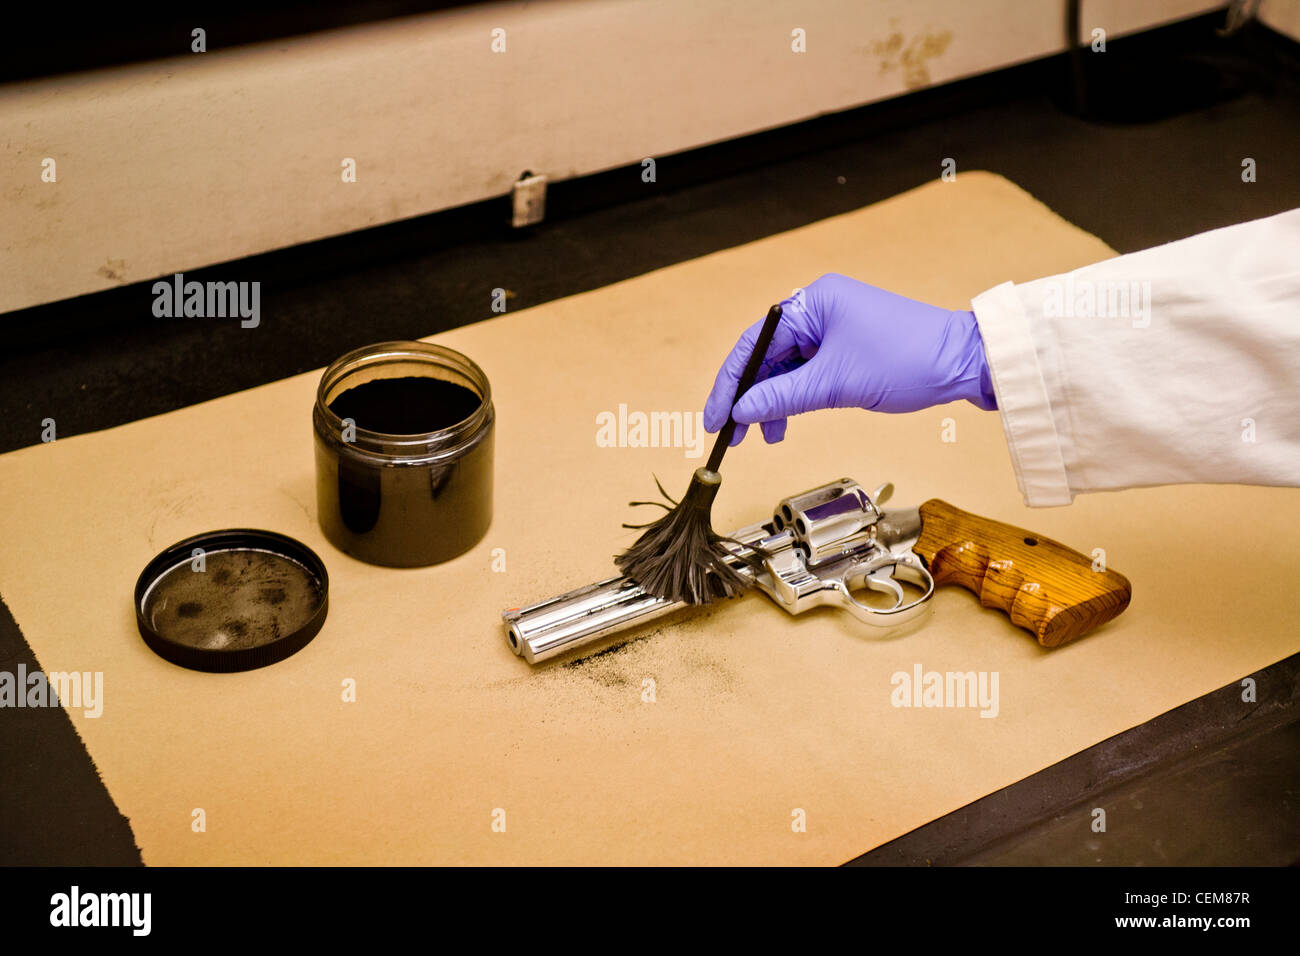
[(232, 600)]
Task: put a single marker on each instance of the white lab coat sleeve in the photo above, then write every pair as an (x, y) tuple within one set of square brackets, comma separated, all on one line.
[(1179, 363)]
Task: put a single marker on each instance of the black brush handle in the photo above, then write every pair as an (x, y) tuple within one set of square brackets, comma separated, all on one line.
[(723, 441)]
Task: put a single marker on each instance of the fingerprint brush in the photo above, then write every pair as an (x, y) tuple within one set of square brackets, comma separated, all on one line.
[(680, 557)]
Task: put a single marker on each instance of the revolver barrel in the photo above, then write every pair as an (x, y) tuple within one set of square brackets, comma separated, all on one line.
[(585, 615)]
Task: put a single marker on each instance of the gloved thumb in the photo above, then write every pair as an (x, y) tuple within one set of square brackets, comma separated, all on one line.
[(790, 393)]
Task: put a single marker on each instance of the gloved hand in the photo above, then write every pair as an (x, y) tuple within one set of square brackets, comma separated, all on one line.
[(842, 344)]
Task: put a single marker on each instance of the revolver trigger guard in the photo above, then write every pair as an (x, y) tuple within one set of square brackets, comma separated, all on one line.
[(878, 574)]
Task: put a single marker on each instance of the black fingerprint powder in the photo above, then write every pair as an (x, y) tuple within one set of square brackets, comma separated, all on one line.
[(413, 405)]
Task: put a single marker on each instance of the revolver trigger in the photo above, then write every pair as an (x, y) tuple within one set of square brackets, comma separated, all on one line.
[(882, 580), (882, 574)]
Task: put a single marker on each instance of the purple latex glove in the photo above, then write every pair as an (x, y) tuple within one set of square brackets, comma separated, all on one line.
[(844, 344)]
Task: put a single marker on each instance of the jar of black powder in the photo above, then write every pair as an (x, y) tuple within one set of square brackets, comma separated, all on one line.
[(404, 453)]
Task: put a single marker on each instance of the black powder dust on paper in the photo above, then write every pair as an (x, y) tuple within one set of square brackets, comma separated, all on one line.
[(629, 661)]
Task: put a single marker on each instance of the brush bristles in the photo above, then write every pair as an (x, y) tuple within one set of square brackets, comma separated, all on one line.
[(680, 558)]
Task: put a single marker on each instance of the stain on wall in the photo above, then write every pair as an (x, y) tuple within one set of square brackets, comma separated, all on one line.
[(912, 56)]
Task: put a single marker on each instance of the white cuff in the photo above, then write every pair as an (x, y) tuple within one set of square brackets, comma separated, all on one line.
[(1022, 397)]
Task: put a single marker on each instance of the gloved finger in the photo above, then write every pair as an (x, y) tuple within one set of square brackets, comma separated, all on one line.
[(803, 390), (784, 346), (738, 436), (773, 431)]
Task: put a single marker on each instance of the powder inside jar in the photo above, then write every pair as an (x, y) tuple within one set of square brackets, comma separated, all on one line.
[(414, 405)]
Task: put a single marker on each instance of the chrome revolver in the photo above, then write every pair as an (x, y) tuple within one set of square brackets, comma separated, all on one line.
[(835, 542)]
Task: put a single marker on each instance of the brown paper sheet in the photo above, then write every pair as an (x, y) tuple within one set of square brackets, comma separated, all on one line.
[(757, 715)]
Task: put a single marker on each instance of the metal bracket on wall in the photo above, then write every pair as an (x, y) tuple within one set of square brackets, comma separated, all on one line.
[(529, 195)]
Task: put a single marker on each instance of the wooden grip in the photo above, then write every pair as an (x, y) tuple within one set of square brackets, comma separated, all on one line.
[(1045, 587)]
